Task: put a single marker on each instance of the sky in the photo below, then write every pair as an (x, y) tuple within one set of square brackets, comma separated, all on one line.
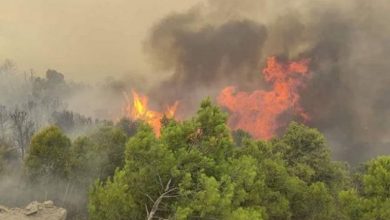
[(84, 39), (225, 41)]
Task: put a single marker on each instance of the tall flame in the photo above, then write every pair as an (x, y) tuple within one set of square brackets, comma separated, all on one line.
[(138, 109), (259, 112)]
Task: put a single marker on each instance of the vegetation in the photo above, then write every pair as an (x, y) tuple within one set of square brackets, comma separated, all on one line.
[(49, 155), (196, 171), (199, 169)]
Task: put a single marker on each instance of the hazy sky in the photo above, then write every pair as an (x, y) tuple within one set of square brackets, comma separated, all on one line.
[(81, 38)]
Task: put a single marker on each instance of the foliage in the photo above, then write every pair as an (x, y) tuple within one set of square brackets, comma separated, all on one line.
[(113, 202), (212, 176), (128, 126), (200, 169), (370, 198), (64, 170), (49, 155), (70, 121), (101, 152)]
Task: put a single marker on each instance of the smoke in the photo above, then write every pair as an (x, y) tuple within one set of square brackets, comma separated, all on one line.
[(17, 191), (218, 43), (204, 57), (225, 43)]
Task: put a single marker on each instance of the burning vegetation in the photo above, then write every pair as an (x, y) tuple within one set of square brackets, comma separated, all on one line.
[(260, 111), (138, 109), (246, 152)]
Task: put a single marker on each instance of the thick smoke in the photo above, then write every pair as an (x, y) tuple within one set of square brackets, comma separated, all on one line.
[(205, 57), (226, 42)]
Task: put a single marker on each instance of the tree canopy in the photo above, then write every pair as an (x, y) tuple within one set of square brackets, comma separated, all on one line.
[(200, 169), (196, 170)]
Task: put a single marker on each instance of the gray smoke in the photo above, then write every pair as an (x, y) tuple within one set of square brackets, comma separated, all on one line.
[(226, 42), (205, 57)]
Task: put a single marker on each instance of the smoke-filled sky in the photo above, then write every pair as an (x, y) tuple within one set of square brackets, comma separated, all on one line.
[(191, 49), (85, 39)]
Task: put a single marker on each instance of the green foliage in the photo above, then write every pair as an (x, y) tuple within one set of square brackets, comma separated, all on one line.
[(196, 170), (49, 155), (376, 180), (128, 126), (239, 136), (246, 214), (371, 197), (64, 171), (199, 169), (112, 201), (308, 157), (99, 154)]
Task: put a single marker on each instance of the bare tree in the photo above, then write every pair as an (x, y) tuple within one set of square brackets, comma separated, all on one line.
[(3, 121), (24, 129), (167, 192)]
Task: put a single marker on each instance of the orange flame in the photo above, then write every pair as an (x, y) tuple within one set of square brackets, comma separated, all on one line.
[(138, 110), (259, 112)]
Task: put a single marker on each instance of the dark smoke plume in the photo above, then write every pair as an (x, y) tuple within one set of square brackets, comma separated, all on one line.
[(226, 42), (204, 58)]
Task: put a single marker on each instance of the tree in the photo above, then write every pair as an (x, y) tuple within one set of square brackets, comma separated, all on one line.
[(70, 121), (183, 174), (145, 160), (165, 194), (93, 156), (85, 164), (49, 155), (23, 129), (308, 157), (376, 180), (195, 170), (4, 117), (64, 120), (98, 154), (7, 154), (128, 126), (370, 199), (111, 200), (108, 147), (246, 214), (239, 137)]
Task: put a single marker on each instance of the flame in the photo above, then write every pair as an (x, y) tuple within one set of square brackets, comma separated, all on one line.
[(259, 112), (138, 109), (171, 110)]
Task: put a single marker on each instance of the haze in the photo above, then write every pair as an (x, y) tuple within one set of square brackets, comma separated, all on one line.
[(89, 39)]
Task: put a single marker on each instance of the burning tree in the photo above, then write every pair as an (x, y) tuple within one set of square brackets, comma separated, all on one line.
[(261, 113), (138, 109)]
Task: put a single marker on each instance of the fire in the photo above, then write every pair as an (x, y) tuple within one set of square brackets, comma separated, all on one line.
[(259, 112), (138, 109)]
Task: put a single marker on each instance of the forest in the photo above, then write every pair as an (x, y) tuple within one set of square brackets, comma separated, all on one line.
[(196, 168), (195, 109)]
